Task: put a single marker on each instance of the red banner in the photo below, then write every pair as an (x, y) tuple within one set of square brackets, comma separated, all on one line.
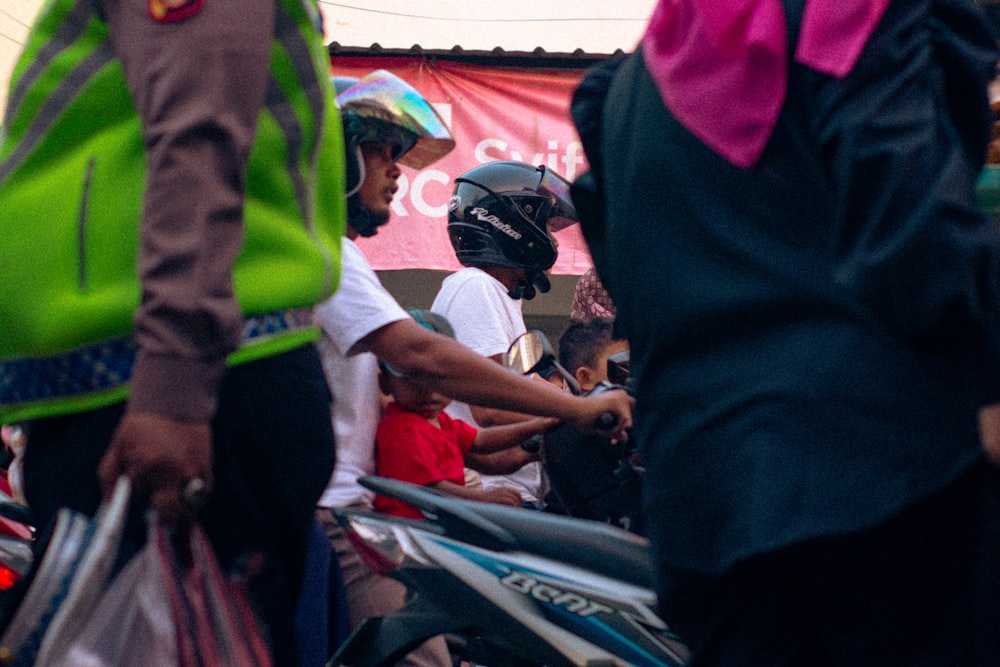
[(494, 114)]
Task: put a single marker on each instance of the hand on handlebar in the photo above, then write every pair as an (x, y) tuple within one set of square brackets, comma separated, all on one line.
[(607, 413)]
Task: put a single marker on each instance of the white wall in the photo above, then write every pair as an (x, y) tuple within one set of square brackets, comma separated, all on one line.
[(558, 26), (15, 18)]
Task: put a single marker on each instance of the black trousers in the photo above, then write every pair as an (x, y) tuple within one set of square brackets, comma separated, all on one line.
[(273, 455), (920, 589)]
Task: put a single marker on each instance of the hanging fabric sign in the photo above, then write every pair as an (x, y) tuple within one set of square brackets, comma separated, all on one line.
[(494, 113)]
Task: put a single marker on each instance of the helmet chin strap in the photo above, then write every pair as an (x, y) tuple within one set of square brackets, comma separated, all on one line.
[(526, 290), (355, 168), (522, 290)]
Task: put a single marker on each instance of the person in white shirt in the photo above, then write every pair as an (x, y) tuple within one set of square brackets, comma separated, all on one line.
[(500, 223), (388, 122)]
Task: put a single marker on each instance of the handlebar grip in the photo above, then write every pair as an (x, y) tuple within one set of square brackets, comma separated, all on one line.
[(606, 421), (533, 444)]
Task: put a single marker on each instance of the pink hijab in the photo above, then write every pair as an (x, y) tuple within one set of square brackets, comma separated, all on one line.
[(720, 65)]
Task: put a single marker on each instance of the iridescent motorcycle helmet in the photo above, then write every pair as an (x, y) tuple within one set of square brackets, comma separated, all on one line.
[(380, 107), (503, 214)]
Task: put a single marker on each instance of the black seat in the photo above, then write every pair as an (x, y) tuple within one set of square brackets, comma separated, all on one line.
[(590, 545)]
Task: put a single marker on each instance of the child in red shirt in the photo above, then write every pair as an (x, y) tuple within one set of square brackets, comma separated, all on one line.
[(418, 442)]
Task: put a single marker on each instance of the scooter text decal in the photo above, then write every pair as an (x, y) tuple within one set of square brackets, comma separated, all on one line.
[(573, 602)]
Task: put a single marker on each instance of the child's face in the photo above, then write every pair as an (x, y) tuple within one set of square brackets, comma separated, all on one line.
[(599, 372), (414, 397)]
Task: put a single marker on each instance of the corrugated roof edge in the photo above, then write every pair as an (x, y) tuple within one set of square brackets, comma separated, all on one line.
[(497, 56)]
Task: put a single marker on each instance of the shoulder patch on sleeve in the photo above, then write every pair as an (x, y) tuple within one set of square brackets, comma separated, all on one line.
[(171, 11)]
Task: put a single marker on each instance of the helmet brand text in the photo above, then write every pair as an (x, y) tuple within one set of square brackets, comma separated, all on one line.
[(484, 215)]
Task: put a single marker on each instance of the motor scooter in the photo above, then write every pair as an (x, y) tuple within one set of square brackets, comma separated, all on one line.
[(17, 530), (509, 586)]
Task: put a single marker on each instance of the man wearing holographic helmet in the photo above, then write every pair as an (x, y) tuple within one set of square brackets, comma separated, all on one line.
[(387, 122)]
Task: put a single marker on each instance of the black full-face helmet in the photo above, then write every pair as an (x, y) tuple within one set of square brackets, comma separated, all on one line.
[(503, 214), (382, 108)]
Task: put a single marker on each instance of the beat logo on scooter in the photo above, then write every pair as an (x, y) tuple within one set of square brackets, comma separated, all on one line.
[(573, 602)]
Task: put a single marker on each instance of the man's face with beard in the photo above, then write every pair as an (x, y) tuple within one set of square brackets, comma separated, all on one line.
[(380, 186)]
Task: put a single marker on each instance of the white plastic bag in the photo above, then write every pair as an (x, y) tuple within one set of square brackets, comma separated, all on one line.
[(132, 623), (159, 612)]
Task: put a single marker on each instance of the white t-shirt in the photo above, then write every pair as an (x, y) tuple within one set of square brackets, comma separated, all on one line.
[(360, 306), (487, 320)]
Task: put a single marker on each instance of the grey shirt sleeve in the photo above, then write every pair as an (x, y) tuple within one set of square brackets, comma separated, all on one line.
[(198, 85)]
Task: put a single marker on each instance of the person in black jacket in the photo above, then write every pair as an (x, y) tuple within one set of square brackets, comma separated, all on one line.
[(788, 229)]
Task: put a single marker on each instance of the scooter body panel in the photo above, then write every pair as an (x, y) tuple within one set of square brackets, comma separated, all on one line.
[(535, 608)]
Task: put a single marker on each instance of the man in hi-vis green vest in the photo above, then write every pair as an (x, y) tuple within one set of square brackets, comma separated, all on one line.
[(171, 206)]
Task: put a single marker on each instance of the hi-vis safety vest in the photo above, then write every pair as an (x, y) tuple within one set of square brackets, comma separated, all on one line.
[(72, 169)]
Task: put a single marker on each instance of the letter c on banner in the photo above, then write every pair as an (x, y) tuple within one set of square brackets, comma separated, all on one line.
[(417, 193)]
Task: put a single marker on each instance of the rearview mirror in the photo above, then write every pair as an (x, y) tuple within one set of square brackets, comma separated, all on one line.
[(529, 352), (620, 368), (532, 353)]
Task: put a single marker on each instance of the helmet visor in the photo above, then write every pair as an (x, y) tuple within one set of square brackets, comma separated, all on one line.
[(387, 98), (563, 213)]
